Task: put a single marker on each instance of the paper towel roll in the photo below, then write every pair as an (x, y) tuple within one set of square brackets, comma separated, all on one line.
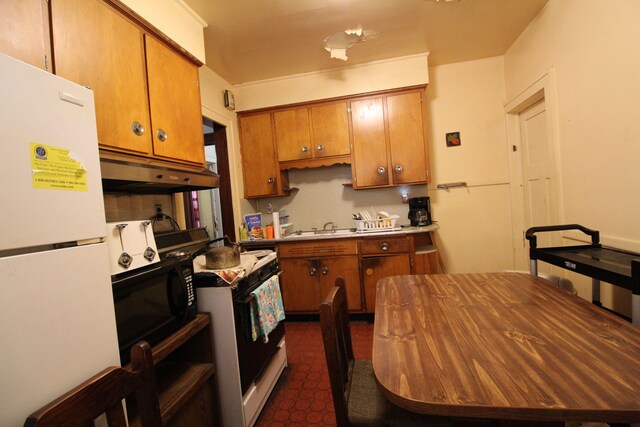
[(276, 225)]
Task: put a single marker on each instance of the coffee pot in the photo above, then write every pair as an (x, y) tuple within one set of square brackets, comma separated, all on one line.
[(419, 211)]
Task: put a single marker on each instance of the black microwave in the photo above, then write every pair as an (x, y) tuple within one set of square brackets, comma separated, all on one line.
[(154, 302)]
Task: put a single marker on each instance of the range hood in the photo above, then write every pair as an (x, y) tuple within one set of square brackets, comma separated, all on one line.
[(130, 177)]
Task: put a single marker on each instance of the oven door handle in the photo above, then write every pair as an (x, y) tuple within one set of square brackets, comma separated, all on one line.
[(182, 283)]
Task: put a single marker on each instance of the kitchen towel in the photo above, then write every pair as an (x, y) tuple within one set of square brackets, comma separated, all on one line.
[(265, 308)]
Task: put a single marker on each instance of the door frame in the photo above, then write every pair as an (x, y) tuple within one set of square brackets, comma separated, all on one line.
[(543, 89)]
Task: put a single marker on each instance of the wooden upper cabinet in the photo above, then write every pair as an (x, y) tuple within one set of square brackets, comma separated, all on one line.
[(406, 138), (174, 100), (97, 47), (389, 143), (313, 135), (262, 177), (330, 130), (140, 85), (370, 162), (24, 33), (293, 136)]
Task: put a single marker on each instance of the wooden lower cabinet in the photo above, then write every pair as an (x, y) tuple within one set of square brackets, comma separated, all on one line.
[(306, 281), (375, 268), (310, 267)]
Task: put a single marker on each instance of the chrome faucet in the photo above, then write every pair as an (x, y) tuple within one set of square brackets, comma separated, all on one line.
[(332, 229)]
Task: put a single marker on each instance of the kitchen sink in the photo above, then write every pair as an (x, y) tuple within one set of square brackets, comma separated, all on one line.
[(321, 233)]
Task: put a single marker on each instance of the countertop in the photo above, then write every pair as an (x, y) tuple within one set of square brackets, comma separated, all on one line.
[(339, 234)]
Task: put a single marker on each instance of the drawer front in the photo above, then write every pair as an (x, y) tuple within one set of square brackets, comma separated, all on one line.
[(317, 249), (379, 246)]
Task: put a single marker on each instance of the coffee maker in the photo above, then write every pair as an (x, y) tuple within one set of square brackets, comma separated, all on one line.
[(419, 211)]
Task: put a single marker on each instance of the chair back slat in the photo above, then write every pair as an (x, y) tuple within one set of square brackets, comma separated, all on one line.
[(103, 394), (336, 334)]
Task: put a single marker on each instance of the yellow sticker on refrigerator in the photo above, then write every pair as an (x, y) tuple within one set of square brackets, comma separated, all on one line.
[(54, 168)]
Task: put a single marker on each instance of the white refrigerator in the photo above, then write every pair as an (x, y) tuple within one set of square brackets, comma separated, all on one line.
[(57, 322)]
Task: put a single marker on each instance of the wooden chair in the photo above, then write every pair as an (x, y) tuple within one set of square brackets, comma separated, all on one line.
[(103, 394), (356, 397)]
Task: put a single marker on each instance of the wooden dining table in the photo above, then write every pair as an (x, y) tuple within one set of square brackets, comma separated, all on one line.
[(503, 346)]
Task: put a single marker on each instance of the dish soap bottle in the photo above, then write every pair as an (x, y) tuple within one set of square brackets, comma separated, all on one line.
[(244, 234)]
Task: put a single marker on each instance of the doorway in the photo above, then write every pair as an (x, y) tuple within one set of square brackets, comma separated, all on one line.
[(213, 208), (535, 190)]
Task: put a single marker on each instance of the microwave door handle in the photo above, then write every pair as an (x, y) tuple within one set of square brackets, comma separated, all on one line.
[(183, 290)]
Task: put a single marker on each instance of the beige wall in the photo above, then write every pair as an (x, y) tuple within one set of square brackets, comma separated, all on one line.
[(380, 75), (592, 46), (475, 224)]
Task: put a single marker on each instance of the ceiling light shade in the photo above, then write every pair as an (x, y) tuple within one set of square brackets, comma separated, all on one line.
[(338, 43)]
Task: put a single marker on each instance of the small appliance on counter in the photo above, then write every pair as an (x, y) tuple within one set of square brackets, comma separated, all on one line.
[(419, 211)]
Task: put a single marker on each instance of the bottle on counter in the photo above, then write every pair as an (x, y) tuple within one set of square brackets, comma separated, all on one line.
[(244, 234)]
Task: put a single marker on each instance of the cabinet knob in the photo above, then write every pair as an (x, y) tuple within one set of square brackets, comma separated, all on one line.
[(384, 246), (162, 135), (325, 270), (305, 149), (312, 271), (382, 170), (398, 168), (137, 128), (320, 147), (271, 180), (369, 271)]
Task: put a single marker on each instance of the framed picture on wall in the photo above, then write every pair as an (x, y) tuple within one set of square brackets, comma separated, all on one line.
[(453, 139)]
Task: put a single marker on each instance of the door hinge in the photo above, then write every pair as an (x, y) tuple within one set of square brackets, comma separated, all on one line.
[(46, 63)]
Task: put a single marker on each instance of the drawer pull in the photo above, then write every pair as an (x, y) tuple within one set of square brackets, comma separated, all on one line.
[(384, 246)]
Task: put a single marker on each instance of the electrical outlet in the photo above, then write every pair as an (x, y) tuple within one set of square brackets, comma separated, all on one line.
[(269, 207), (405, 197), (158, 207)]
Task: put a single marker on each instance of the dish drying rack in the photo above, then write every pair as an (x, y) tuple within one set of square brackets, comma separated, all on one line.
[(376, 224)]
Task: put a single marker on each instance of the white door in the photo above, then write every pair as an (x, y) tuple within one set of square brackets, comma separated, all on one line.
[(539, 174)]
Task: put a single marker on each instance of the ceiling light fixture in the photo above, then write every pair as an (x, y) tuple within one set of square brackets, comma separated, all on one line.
[(338, 43)]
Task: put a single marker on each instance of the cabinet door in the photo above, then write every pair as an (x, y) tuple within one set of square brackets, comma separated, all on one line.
[(406, 138), (24, 31), (97, 47), (292, 134), (375, 268), (174, 100), (347, 267), (330, 128), (369, 143), (299, 284), (259, 166)]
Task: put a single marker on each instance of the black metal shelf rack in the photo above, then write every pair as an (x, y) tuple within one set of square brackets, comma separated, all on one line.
[(614, 266)]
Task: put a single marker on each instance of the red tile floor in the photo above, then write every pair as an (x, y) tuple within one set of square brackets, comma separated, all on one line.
[(302, 396)]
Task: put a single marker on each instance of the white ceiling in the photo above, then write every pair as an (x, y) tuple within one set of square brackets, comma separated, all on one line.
[(248, 40)]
